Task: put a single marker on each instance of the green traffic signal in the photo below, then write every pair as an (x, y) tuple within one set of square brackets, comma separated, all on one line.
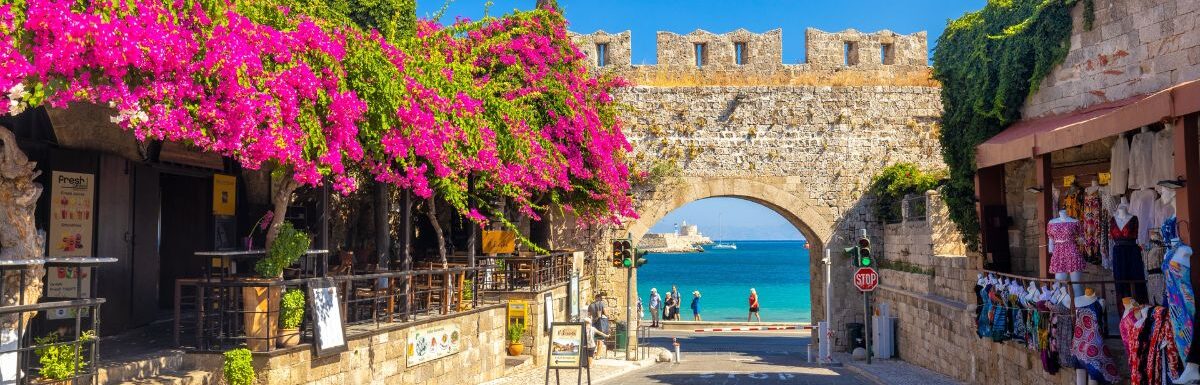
[(627, 262)]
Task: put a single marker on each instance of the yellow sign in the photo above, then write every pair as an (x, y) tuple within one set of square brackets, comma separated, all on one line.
[(224, 194), (1068, 180), (1104, 178), (499, 241), (71, 220)]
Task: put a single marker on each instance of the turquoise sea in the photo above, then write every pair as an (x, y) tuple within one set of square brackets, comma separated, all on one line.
[(778, 270)]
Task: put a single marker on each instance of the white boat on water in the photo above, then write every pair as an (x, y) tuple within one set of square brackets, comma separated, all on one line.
[(725, 246)]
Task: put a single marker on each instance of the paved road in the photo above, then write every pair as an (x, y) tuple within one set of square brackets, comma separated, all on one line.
[(745, 358)]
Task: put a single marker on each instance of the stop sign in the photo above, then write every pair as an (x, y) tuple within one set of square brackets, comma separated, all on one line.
[(866, 278)]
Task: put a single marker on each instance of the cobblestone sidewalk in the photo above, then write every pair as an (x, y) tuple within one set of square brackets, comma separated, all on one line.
[(602, 370), (894, 372)]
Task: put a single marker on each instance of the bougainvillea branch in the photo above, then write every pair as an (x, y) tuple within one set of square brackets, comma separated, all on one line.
[(505, 104)]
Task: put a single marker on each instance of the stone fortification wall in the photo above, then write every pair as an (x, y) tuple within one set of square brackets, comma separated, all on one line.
[(833, 58), (1134, 47), (808, 152)]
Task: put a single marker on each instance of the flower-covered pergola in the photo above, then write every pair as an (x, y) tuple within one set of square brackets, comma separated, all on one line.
[(465, 114)]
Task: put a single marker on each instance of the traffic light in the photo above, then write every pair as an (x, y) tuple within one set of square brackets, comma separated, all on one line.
[(852, 253), (864, 253), (640, 258), (622, 254)]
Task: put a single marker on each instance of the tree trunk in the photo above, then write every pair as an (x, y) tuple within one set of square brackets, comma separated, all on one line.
[(280, 198), (431, 212), (19, 240)]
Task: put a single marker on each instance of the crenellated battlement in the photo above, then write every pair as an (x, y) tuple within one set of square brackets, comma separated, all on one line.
[(742, 57)]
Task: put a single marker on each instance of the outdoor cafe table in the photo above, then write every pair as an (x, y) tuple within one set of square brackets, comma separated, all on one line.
[(315, 262)]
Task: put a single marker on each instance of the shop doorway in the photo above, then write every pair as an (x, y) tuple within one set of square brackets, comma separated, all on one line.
[(185, 224)]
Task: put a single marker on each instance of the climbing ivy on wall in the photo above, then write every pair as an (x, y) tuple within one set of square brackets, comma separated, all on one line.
[(897, 181), (989, 61)]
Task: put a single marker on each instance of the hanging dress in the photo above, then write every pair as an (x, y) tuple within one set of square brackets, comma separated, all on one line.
[(1000, 324), (1073, 202), (1141, 161), (1135, 336), (1141, 205), (1108, 204), (1168, 356), (1062, 326), (1156, 285), (985, 314), (1127, 260), (1163, 156), (1049, 356), (1088, 346), (1092, 216), (1066, 256), (1119, 166), (1180, 297)]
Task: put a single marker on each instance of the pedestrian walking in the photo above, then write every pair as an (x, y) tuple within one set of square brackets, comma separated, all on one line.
[(655, 302), (639, 311), (696, 305), (753, 306), (669, 307), (598, 314), (678, 302), (592, 349)]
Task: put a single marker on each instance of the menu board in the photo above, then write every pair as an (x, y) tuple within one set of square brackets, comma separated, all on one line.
[(330, 333), (432, 343), (566, 346), (71, 219), (224, 194)]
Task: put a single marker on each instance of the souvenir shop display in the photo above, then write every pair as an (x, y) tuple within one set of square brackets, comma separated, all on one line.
[(1127, 265), (1095, 363), (1065, 260)]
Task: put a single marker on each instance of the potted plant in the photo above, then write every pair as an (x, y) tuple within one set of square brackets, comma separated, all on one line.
[(515, 332), (60, 362), (239, 367), (261, 302), (291, 314)]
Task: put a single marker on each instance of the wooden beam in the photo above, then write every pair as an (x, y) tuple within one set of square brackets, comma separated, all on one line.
[(1043, 177)]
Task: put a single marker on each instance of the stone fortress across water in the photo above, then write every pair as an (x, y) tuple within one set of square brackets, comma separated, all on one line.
[(685, 239)]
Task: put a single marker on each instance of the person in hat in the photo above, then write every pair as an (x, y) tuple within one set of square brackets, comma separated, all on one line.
[(696, 305), (655, 302)]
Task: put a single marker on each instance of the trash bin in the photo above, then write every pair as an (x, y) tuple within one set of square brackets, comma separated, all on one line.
[(622, 335), (855, 333)]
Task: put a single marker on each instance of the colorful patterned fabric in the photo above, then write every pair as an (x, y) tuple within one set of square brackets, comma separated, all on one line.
[(1135, 349), (999, 326), (1092, 218), (1066, 256), (1180, 301), (1088, 345), (1168, 355), (1062, 335), (984, 328)]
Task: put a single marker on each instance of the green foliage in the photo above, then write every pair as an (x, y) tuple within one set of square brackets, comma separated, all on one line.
[(468, 290), (906, 267), (239, 367), (895, 182), (989, 62), (289, 245), (61, 361), (291, 309), (515, 332)]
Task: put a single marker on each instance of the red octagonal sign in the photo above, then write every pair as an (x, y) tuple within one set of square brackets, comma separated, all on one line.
[(866, 279)]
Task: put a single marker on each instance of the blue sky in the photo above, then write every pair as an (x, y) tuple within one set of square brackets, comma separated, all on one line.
[(645, 17), (730, 218)]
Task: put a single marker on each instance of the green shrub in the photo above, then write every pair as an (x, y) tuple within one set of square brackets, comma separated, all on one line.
[(895, 182), (60, 362), (239, 367), (289, 245), (291, 309), (515, 332)]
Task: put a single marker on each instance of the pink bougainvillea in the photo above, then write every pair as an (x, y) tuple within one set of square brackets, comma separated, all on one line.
[(467, 113)]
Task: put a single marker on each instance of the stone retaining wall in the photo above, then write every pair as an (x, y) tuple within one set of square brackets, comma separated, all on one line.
[(381, 358)]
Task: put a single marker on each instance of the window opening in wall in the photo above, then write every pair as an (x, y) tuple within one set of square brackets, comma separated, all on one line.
[(701, 54), (850, 53), (739, 50), (601, 54), (887, 54)]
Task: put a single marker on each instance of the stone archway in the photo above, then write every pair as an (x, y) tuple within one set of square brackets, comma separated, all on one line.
[(815, 228)]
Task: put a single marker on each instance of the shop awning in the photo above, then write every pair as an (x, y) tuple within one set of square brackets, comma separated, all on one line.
[(1033, 137)]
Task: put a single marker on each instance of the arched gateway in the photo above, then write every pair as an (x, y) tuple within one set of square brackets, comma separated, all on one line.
[(722, 116)]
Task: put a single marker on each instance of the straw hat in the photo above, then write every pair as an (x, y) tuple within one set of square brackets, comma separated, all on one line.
[(654, 290)]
